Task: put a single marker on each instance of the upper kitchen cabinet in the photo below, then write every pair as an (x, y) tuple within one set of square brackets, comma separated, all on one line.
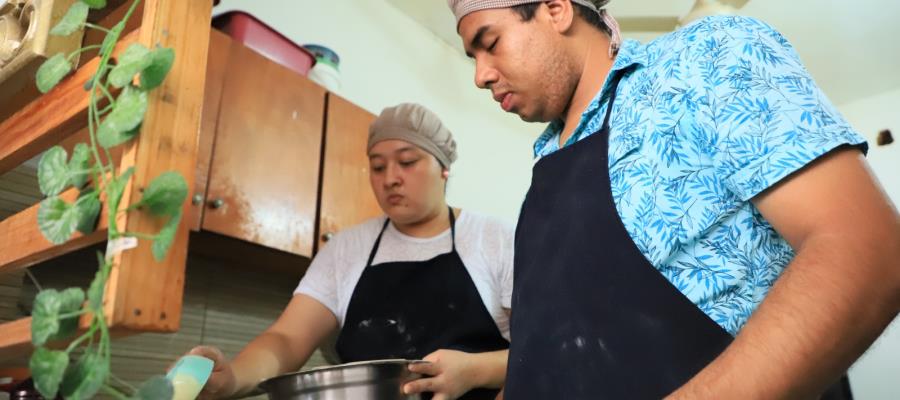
[(264, 169), (216, 67), (347, 197)]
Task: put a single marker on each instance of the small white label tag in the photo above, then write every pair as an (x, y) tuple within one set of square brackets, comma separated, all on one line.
[(116, 246)]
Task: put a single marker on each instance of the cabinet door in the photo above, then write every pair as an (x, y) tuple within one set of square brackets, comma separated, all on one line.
[(347, 197), (216, 67), (264, 173)]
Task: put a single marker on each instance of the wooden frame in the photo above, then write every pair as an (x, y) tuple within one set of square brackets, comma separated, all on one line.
[(142, 294)]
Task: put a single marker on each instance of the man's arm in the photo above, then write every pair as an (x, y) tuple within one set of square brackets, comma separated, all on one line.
[(835, 298)]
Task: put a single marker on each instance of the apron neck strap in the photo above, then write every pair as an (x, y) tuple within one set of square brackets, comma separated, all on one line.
[(388, 221), (452, 228), (614, 86)]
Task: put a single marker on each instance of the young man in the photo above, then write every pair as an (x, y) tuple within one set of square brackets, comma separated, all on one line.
[(681, 186)]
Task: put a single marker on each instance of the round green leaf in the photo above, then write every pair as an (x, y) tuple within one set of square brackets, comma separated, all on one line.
[(88, 207), (53, 173), (156, 72), (80, 165), (164, 238), (71, 301), (52, 71), (86, 378), (133, 60), (57, 219), (47, 369), (72, 21), (109, 138), (128, 112), (165, 194), (156, 388), (95, 3), (45, 316)]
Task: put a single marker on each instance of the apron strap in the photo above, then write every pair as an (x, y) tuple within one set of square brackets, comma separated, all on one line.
[(452, 229), (614, 86), (377, 242), (388, 221)]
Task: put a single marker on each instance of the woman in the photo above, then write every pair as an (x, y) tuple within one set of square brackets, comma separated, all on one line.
[(423, 282)]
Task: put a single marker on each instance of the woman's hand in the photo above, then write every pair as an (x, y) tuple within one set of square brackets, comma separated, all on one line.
[(448, 374), (221, 383)]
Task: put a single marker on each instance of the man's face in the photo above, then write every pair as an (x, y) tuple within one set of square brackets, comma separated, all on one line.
[(523, 64)]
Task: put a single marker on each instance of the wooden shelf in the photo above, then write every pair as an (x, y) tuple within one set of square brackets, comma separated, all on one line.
[(11, 340), (50, 118), (22, 244), (142, 295)]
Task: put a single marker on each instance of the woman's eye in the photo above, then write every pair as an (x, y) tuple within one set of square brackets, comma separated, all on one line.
[(408, 163), (377, 168)]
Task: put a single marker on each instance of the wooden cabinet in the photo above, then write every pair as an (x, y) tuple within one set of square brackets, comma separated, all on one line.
[(216, 67), (346, 196), (281, 162)]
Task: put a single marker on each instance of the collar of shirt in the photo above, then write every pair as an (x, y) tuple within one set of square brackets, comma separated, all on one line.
[(631, 53)]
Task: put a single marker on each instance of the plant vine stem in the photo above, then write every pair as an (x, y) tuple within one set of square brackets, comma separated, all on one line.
[(123, 382), (73, 314), (96, 27), (114, 392), (140, 235), (131, 10), (83, 337), (82, 50), (108, 95), (104, 61), (112, 167), (104, 340)]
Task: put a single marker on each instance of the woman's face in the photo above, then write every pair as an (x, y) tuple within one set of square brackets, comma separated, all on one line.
[(408, 181)]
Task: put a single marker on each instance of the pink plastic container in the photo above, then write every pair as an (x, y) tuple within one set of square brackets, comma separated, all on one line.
[(253, 33)]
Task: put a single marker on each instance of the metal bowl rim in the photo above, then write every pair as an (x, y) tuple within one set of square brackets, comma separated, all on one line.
[(345, 367)]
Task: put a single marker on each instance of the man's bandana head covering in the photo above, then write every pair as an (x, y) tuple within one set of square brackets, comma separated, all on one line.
[(415, 124), (461, 8)]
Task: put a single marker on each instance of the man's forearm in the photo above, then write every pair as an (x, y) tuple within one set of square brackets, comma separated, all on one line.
[(831, 303), (490, 369)]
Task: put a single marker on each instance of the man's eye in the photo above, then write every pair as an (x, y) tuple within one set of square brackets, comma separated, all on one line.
[(494, 44)]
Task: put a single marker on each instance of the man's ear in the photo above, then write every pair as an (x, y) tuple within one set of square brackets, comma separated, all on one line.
[(561, 14)]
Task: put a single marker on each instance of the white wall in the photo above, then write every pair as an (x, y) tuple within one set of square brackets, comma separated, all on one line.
[(876, 376), (387, 58)]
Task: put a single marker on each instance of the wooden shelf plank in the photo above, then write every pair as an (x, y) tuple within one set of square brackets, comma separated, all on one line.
[(51, 118), (22, 244), (15, 342), (16, 339)]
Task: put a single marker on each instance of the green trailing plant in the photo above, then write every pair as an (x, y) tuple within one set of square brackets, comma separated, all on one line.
[(82, 369)]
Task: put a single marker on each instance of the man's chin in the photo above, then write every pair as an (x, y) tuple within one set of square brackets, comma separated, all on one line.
[(530, 117)]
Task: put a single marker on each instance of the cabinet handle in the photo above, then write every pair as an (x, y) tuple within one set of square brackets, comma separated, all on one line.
[(327, 236), (216, 204), (197, 199)]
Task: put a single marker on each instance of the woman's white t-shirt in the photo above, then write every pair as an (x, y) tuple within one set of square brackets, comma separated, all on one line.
[(485, 245)]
